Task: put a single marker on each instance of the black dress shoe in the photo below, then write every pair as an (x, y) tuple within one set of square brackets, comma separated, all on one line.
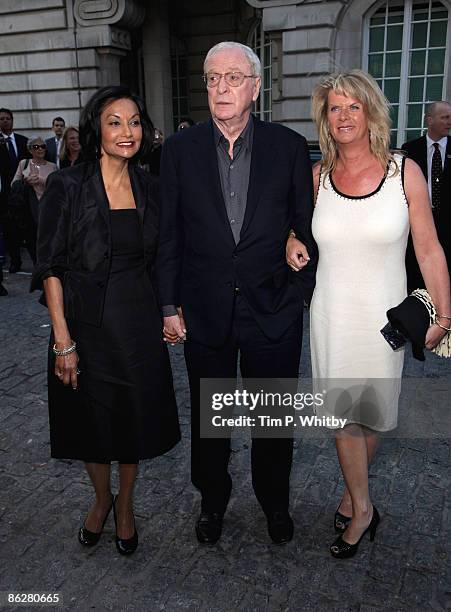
[(14, 267), (3, 290), (125, 546), (90, 538), (209, 527), (280, 526), (341, 549)]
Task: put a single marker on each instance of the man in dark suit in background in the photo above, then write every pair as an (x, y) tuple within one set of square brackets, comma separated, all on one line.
[(432, 153), (231, 189), (53, 144), (13, 148)]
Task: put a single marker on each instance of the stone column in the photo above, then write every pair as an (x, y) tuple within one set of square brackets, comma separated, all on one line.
[(157, 66), (108, 28)]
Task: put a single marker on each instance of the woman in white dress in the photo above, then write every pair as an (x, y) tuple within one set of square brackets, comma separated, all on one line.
[(367, 199)]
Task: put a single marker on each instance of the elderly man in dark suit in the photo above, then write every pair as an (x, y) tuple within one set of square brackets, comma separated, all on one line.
[(13, 148), (231, 190), (432, 153), (53, 144)]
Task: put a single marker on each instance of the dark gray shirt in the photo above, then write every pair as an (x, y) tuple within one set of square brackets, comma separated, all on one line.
[(234, 174)]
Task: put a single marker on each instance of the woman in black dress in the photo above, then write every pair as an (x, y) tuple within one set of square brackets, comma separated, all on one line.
[(110, 386)]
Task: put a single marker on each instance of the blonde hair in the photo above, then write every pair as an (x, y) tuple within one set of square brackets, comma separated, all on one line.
[(361, 86), (63, 150)]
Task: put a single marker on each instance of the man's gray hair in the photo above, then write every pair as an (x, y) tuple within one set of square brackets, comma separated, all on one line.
[(432, 107), (251, 56), (33, 140)]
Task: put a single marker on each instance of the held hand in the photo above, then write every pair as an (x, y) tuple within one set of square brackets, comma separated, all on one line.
[(66, 368), (433, 336), (174, 329), (31, 179), (297, 254)]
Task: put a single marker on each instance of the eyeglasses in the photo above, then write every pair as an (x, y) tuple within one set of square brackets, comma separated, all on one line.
[(234, 79), (36, 147)]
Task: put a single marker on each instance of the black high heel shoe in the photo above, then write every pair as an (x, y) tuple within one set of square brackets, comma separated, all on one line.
[(90, 538), (125, 546), (341, 549), (341, 521)]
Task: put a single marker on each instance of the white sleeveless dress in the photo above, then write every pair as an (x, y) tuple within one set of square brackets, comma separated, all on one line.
[(361, 274)]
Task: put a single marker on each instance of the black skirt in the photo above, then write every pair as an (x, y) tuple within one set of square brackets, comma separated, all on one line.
[(124, 409)]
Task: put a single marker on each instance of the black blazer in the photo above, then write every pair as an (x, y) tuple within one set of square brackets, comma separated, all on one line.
[(198, 263), (6, 171), (50, 153), (417, 150), (74, 236)]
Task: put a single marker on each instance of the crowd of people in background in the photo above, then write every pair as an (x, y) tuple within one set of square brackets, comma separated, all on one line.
[(25, 164)]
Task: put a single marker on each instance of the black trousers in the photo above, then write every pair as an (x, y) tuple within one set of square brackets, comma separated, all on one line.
[(2, 234), (258, 358), (2, 250), (17, 236), (13, 238)]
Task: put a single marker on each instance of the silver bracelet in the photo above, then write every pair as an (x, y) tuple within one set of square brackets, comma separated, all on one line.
[(448, 329), (65, 351)]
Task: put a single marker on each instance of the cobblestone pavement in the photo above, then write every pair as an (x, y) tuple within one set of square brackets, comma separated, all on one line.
[(43, 501)]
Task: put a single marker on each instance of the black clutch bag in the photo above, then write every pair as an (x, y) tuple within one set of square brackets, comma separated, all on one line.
[(394, 337), (410, 321)]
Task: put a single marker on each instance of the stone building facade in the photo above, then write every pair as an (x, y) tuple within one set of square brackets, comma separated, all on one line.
[(55, 53)]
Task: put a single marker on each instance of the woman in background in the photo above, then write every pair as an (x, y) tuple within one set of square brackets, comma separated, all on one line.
[(70, 148), (36, 170), (34, 173)]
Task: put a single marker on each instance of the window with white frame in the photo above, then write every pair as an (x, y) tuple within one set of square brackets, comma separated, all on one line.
[(406, 51), (260, 42)]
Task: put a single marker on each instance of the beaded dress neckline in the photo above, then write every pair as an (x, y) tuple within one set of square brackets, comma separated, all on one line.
[(362, 197)]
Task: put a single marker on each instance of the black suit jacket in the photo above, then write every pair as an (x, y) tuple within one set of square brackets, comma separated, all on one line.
[(417, 150), (50, 154), (198, 263), (74, 236), (6, 171)]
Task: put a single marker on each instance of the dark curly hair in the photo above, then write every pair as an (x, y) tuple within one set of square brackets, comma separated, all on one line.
[(90, 134)]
